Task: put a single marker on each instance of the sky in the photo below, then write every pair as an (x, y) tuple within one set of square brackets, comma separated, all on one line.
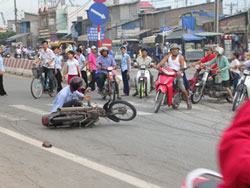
[(7, 6)]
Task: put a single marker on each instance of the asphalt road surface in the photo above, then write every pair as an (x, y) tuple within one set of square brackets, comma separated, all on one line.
[(153, 150)]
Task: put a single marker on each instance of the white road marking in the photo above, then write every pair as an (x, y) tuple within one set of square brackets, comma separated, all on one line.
[(30, 109), (10, 117), (82, 161)]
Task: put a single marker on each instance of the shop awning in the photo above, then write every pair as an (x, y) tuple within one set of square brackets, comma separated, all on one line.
[(18, 36), (191, 37), (208, 34)]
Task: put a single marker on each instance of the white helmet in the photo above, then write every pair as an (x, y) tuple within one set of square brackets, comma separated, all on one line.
[(219, 50)]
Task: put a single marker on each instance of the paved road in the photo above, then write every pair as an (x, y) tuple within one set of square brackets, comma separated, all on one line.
[(154, 150)]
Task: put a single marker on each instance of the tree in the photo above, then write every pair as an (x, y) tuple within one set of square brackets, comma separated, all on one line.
[(4, 36)]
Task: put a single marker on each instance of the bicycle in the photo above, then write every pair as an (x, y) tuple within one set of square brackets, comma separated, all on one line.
[(39, 85)]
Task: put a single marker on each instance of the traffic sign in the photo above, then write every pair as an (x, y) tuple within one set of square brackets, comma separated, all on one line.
[(98, 14), (93, 33)]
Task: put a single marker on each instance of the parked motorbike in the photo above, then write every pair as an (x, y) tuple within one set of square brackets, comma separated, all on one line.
[(167, 91), (110, 86), (18, 56), (202, 178), (31, 55), (242, 91), (209, 85), (143, 81), (87, 115)]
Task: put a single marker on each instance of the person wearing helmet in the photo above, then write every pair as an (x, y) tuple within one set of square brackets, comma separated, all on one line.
[(69, 96), (144, 59), (103, 62), (177, 62), (223, 69)]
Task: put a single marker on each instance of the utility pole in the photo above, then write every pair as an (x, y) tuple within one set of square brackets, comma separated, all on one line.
[(15, 9), (231, 5), (217, 15), (186, 3)]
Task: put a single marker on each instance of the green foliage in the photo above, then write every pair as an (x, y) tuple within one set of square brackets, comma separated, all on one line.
[(4, 36)]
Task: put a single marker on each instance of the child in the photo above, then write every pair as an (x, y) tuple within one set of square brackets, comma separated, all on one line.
[(72, 65), (58, 68), (82, 64)]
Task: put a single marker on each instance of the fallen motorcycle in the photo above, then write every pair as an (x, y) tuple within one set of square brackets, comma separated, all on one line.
[(87, 115), (202, 178)]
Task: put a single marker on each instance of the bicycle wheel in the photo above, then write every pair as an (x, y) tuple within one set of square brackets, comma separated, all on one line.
[(54, 87), (36, 88), (122, 110)]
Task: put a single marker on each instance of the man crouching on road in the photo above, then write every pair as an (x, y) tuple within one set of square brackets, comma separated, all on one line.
[(69, 96)]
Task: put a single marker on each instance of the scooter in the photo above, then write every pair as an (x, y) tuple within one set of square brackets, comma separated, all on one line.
[(202, 178), (143, 81), (167, 91), (87, 115), (242, 91), (209, 85)]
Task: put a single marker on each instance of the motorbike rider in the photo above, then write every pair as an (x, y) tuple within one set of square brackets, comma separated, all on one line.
[(144, 59), (223, 69), (103, 62), (69, 96), (177, 62), (209, 55)]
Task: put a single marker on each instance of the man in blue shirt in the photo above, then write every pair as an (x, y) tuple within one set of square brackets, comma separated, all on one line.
[(69, 96), (103, 62), (125, 69), (58, 68)]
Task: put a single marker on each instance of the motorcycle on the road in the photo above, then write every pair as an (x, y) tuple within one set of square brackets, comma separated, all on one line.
[(111, 88), (89, 114), (209, 85), (202, 178), (143, 81), (242, 91), (167, 91)]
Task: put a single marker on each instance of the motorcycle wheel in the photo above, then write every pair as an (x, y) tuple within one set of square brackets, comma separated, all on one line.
[(240, 97), (141, 91), (158, 101), (197, 94), (54, 91), (122, 110), (113, 91), (36, 88), (177, 101)]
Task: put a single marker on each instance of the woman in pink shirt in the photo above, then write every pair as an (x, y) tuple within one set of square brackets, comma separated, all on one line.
[(92, 66)]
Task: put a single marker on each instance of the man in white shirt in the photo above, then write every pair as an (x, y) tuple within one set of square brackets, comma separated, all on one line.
[(47, 60)]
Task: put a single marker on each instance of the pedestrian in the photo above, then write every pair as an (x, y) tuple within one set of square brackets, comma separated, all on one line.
[(72, 66), (82, 65), (2, 70), (92, 67), (58, 67), (125, 70), (158, 53), (235, 71), (47, 60)]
